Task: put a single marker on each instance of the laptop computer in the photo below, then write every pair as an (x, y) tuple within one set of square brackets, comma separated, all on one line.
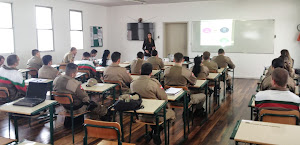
[(36, 94)]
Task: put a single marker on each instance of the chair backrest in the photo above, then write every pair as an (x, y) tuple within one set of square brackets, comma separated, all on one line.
[(135, 74), (33, 72), (63, 66), (118, 87), (88, 73), (183, 87), (213, 71), (4, 93), (102, 129), (278, 116), (63, 98)]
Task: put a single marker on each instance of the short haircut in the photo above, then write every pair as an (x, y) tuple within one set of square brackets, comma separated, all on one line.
[(1, 57), (278, 63), (140, 55), (115, 56), (72, 49), (206, 55), (94, 51), (178, 57), (12, 59), (71, 68), (154, 53), (86, 54), (34, 52), (221, 51), (280, 77), (47, 59), (146, 69)]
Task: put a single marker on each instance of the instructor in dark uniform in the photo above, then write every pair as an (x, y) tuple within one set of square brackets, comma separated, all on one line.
[(148, 45)]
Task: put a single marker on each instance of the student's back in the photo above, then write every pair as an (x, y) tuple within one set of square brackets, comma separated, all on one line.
[(223, 61)]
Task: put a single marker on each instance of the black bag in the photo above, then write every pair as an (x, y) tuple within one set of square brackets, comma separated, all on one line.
[(128, 102)]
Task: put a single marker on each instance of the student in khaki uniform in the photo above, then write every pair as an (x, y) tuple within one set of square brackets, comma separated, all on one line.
[(70, 56), (267, 81), (199, 70), (86, 64), (211, 65), (2, 59), (181, 76), (156, 62), (137, 64), (81, 101), (224, 62), (47, 72), (150, 88), (116, 73), (35, 61)]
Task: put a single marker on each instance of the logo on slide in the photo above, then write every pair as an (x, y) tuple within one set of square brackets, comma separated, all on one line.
[(224, 30), (224, 40), (206, 30)]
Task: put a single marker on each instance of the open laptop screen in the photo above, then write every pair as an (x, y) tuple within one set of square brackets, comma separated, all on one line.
[(36, 90)]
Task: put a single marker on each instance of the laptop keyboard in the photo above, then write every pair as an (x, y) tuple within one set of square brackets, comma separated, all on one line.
[(31, 100)]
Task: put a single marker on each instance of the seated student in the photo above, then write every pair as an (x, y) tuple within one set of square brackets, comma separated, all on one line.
[(81, 101), (47, 72), (93, 55), (150, 88), (156, 62), (199, 70), (35, 61), (106, 59), (70, 56), (279, 97), (288, 62), (86, 64), (211, 65), (266, 83), (2, 59), (12, 79), (224, 61), (116, 73), (137, 64), (181, 76)]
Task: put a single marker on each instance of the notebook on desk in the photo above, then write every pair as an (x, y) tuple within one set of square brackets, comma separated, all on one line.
[(173, 91), (36, 94)]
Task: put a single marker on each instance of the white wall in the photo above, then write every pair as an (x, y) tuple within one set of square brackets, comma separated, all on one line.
[(285, 12), (25, 28)]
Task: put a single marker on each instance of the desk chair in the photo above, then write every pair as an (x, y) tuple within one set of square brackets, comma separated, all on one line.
[(33, 72), (63, 66), (67, 99), (276, 116), (4, 94), (104, 130), (87, 74), (118, 87)]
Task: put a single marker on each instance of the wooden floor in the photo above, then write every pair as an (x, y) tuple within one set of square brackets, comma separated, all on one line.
[(216, 131)]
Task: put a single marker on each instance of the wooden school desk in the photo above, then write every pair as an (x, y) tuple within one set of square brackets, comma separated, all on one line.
[(222, 71), (177, 98), (151, 107), (173, 63), (4, 141), (258, 132), (108, 142), (100, 88), (56, 66), (154, 73), (24, 71), (216, 78), (30, 111)]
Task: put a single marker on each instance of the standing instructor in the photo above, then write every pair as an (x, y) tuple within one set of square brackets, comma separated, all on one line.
[(148, 45)]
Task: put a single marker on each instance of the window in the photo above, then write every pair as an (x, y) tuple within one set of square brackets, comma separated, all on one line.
[(44, 28), (6, 28), (76, 32)]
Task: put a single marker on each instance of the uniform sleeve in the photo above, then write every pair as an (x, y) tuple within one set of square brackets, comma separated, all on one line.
[(40, 63), (160, 92), (162, 65), (291, 85), (81, 94), (126, 77), (265, 84), (144, 45), (230, 63), (70, 59), (206, 70), (190, 77), (153, 43)]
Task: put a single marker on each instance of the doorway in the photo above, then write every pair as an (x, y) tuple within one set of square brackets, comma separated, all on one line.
[(175, 38)]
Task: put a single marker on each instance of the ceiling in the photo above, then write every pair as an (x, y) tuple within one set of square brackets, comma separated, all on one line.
[(110, 3)]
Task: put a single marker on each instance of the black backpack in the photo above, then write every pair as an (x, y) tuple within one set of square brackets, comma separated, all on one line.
[(127, 104)]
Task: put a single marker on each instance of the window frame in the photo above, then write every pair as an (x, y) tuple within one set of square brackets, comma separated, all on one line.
[(73, 10), (12, 28), (36, 29)]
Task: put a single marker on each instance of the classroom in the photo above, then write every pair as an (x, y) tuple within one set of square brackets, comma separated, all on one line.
[(149, 72)]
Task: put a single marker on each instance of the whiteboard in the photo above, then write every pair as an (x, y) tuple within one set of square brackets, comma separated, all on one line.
[(248, 36)]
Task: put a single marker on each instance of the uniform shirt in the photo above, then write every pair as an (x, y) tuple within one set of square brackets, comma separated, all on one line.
[(223, 61), (67, 84), (156, 62), (211, 65), (266, 84), (203, 73), (136, 66), (68, 58), (277, 99), (47, 72), (179, 76), (35, 62), (87, 65), (116, 73), (12, 79), (148, 88)]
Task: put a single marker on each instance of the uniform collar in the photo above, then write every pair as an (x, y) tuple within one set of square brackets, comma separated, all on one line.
[(66, 76), (144, 77), (115, 65), (178, 65), (279, 89), (9, 68)]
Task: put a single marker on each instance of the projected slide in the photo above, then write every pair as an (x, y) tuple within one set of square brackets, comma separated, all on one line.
[(216, 32)]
